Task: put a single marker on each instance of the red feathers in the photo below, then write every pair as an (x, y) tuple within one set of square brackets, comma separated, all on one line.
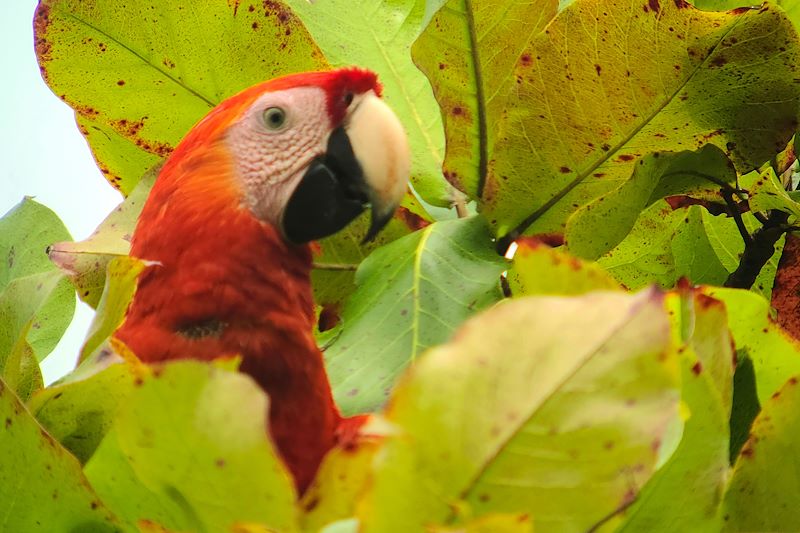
[(226, 283)]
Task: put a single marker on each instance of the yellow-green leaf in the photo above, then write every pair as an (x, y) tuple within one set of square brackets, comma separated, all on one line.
[(468, 51), (539, 269), (142, 73), (189, 451), (764, 491), (42, 486), (550, 406)]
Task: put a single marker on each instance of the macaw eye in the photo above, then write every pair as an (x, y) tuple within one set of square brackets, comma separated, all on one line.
[(348, 99), (274, 118)]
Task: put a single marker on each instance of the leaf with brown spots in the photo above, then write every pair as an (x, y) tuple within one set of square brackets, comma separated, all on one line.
[(732, 88), (172, 77), (763, 491), (187, 431), (550, 406), (539, 269), (468, 51), (774, 353), (693, 477), (43, 488)]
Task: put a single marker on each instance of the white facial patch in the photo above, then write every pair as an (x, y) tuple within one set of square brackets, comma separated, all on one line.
[(272, 161)]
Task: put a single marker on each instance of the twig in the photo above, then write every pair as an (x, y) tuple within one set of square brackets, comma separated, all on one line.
[(758, 251), (733, 211), (334, 266)]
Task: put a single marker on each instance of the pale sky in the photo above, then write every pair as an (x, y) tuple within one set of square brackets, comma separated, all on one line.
[(44, 156)]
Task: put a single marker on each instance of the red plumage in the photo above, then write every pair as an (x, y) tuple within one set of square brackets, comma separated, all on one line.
[(226, 283)]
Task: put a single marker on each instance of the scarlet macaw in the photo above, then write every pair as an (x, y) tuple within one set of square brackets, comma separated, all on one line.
[(227, 227)]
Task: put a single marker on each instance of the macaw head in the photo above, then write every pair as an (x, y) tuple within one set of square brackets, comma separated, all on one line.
[(309, 152)]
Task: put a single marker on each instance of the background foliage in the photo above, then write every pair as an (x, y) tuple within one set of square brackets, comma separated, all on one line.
[(618, 146)]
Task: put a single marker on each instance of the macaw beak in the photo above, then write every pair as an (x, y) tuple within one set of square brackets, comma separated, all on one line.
[(366, 164)]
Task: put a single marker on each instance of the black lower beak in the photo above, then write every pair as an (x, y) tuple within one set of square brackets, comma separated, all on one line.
[(331, 194)]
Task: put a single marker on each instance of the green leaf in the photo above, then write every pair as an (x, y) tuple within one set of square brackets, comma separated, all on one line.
[(539, 269), (78, 414), (694, 256), (36, 302), (600, 225), (556, 407), (121, 277), (763, 492), (767, 193), (378, 35), (665, 245), (85, 262), (630, 81), (468, 52), (142, 73), (331, 286), (189, 450), (693, 478), (43, 488), (410, 295), (774, 353)]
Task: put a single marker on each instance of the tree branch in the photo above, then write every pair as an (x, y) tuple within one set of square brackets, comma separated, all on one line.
[(758, 251)]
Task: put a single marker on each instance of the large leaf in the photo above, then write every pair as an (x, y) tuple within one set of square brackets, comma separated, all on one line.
[(774, 353), (631, 81), (693, 478), (36, 302), (764, 490), (411, 295), (468, 52), (189, 450), (42, 486), (556, 407), (139, 75), (378, 35), (85, 262)]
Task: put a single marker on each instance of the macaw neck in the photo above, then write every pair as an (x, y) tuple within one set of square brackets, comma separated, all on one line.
[(224, 283)]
